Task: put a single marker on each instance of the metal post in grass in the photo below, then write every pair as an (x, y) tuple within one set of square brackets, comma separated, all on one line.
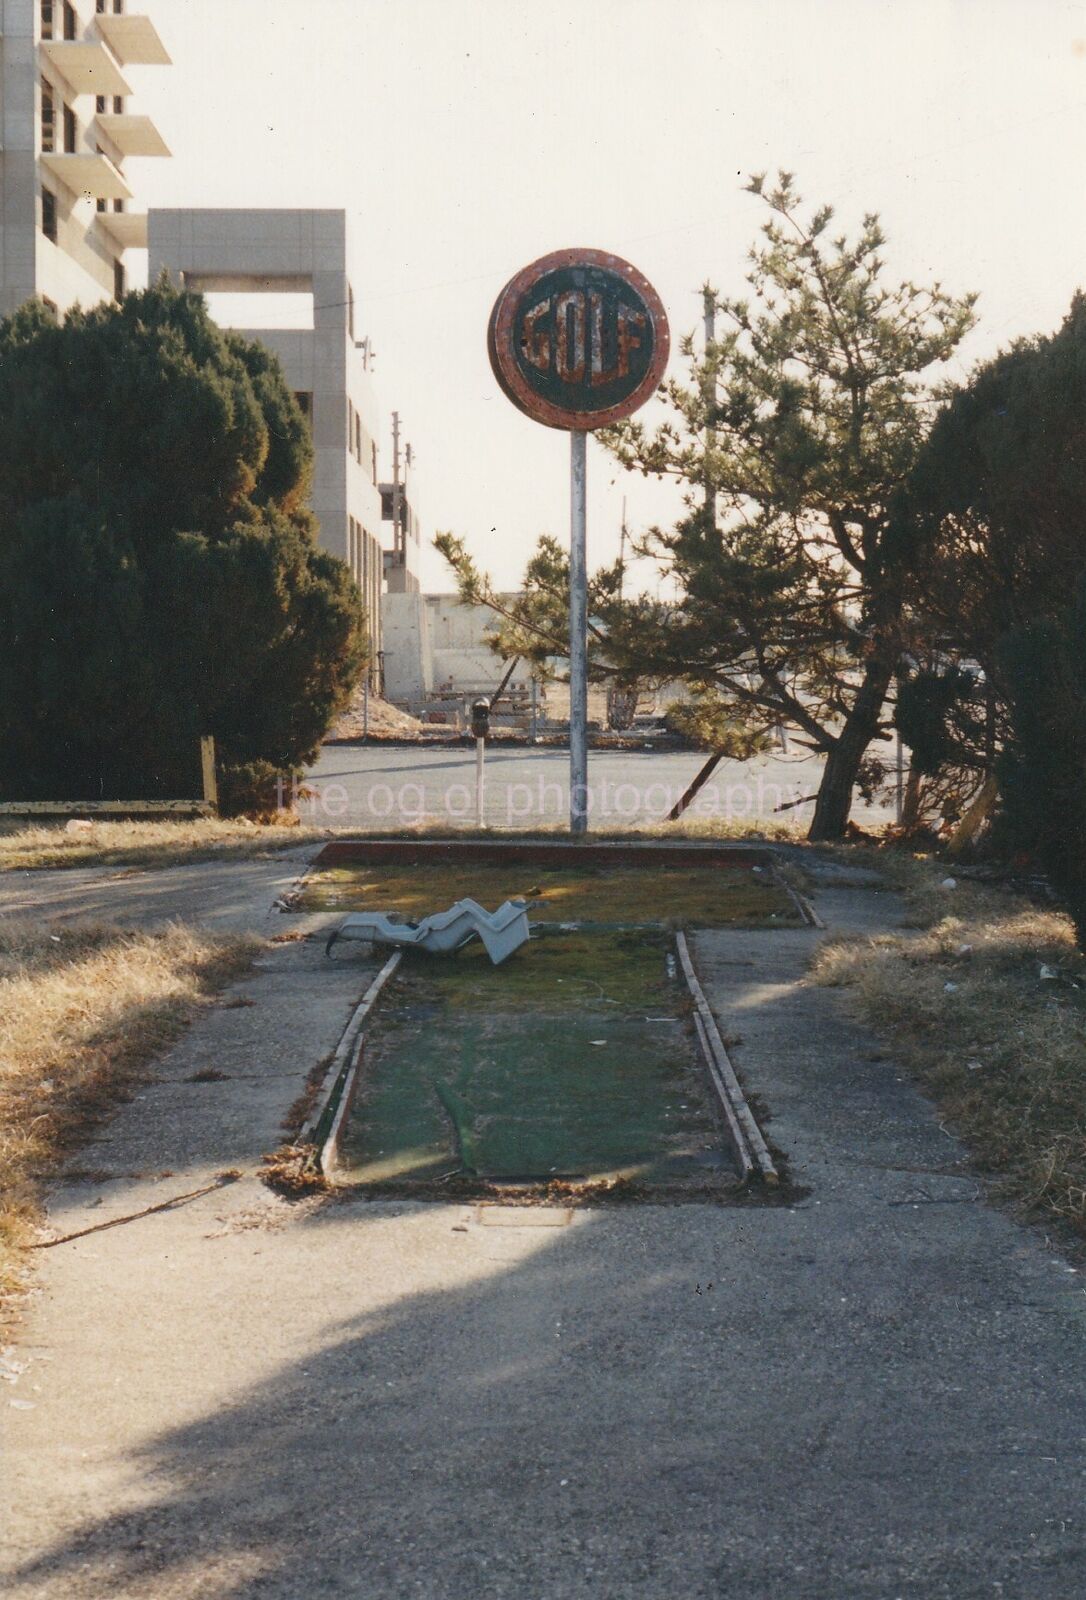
[(578, 340), (480, 727)]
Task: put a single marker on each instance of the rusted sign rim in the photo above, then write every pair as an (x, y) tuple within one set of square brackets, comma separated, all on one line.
[(503, 359)]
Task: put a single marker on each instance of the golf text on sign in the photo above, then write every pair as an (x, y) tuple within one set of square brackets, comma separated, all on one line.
[(578, 339)]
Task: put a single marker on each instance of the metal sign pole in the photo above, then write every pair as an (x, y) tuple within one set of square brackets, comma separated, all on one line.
[(578, 340), (480, 807), (578, 636)]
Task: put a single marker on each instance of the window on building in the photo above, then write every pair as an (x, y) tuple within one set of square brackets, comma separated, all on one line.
[(47, 19), (49, 214), (358, 438), (373, 460), (118, 280), (71, 131), (101, 6), (118, 7), (101, 103), (118, 104), (118, 205), (103, 205), (48, 117), (71, 21)]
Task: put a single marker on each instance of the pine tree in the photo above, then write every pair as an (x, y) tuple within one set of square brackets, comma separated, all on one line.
[(995, 514), (792, 437), (1043, 769), (159, 574)]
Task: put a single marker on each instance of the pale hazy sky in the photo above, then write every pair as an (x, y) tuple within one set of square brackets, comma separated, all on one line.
[(467, 137)]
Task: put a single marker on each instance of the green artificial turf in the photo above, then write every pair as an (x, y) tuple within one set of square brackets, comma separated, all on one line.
[(574, 1060)]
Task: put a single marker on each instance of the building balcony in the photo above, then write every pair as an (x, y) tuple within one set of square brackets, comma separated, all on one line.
[(133, 136), (87, 174), (133, 40), (127, 229), (86, 65)]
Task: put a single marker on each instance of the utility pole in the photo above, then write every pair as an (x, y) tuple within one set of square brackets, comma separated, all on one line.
[(405, 508), (622, 551), (708, 301), (397, 506), (708, 390)]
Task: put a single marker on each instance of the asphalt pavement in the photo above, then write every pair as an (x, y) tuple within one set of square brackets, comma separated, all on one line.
[(373, 786), (872, 1390)]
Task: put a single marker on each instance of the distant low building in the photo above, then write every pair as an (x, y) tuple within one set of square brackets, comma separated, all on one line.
[(437, 660), (436, 651)]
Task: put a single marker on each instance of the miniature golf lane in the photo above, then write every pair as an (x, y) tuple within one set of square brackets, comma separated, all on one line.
[(575, 1060)]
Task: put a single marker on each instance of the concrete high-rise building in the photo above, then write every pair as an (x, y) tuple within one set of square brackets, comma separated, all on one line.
[(67, 213), (304, 254)]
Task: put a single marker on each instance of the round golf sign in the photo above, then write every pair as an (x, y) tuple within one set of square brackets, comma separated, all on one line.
[(578, 340)]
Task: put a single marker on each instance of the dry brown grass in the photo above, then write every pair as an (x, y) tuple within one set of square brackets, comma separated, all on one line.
[(82, 1011), (681, 897), (164, 843), (175, 842), (986, 1003)]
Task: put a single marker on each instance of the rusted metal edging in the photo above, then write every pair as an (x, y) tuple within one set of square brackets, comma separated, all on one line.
[(338, 1083), (798, 899), (723, 1073), (329, 1151), (738, 1137)]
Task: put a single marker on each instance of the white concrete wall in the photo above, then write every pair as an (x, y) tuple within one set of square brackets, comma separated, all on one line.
[(461, 655), (432, 640), (468, 671), (363, 494), (212, 248), (409, 669)]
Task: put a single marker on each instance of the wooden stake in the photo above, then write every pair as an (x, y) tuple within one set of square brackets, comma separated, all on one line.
[(207, 766)]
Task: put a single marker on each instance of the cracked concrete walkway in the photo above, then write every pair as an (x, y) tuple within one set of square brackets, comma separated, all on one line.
[(874, 1392), (222, 896)]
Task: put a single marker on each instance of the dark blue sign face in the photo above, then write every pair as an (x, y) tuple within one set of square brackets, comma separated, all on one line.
[(583, 339), (578, 340)]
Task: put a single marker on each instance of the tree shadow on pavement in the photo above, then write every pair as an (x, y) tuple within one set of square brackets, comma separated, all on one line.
[(658, 1402)]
